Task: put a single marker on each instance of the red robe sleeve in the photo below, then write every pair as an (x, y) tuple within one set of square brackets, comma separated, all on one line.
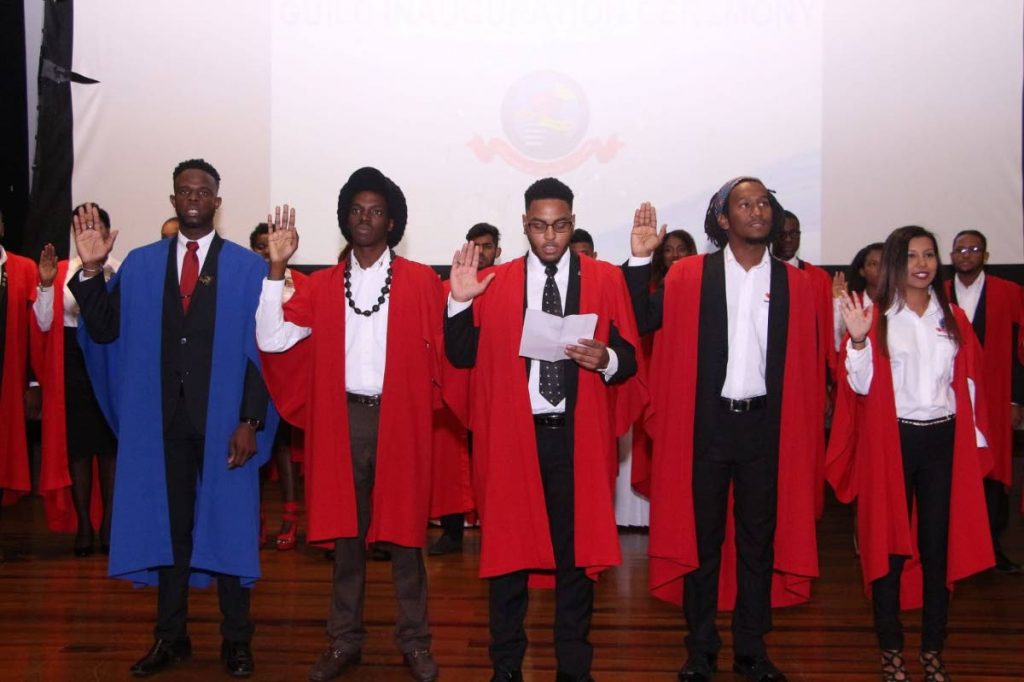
[(22, 279)]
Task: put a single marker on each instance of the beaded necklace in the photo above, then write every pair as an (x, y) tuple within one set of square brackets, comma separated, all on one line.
[(383, 291)]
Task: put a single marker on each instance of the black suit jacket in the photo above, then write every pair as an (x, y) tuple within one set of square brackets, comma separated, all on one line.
[(461, 339), (186, 351)]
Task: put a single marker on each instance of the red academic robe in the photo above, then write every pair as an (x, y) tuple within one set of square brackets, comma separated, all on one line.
[(870, 470), (506, 473), (22, 279), (307, 383), (452, 486), (1003, 309), (673, 539), (822, 286), (54, 477)]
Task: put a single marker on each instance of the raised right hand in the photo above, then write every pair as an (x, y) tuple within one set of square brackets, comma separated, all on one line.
[(47, 265), (463, 280), (856, 317), (838, 285), (92, 243), (645, 237), (282, 239)]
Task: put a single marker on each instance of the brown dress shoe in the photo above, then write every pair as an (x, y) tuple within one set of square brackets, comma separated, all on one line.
[(422, 665), (332, 663)]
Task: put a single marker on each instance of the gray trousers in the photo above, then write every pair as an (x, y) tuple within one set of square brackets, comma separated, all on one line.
[(345, 619)]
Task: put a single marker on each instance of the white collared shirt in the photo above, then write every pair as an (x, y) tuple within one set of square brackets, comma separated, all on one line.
[(968, 297), (536, 278), (747, 296), (365, 337), (922, 355), (43, 306), (204, 248)]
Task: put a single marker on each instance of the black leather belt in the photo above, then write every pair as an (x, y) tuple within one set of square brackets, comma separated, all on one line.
[(927, 422), (744, 404), (368, 400), (549, 421)]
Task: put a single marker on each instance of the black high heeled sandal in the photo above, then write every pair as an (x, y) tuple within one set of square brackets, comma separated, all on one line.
[(894, 668), (934, 671)]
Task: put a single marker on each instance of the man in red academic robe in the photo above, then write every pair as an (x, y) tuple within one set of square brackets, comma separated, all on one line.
[(543, 431), (996, 312), (452, 493), (736, 404), (352, 359), (785, 247), (18, 281)]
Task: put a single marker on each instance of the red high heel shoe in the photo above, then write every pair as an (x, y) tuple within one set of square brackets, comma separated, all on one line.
[(289, 515)]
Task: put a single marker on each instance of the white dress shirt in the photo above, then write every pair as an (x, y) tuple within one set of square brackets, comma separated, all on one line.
[(921, 354), (43, 306), (747, 296), (968, 297), (365, 337), (536, 278)]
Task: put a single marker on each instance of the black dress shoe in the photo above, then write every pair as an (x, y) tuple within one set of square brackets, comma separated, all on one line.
[(516, 676), (84, 551), (378, 553), (698, 668), (566, 677), (758, 669), (237, 657), (163, 654), (1005, 564), (445, 545)]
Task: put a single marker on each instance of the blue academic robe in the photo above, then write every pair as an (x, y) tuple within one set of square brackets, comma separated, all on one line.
[(126, 377)]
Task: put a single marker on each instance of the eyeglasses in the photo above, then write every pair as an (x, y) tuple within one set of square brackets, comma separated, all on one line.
[(964, 250), (540, 227)]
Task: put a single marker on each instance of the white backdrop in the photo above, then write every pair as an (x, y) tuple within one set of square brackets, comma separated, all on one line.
[(863, 116)]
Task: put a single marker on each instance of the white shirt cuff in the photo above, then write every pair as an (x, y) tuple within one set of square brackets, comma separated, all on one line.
[(456, 307), (636, 261), (613, 365)]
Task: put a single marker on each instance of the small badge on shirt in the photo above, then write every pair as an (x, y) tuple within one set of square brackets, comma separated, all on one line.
[(941, 329)]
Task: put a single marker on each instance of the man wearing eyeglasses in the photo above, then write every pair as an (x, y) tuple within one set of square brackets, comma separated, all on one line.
[(543, 486), (996, 312)]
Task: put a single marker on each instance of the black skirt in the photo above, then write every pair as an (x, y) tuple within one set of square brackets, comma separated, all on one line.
[(87, 430)]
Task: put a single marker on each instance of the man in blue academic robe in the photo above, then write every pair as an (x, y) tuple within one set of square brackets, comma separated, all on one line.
[(170, 347)]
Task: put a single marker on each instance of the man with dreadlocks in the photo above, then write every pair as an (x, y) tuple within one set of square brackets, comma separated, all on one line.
[(352, 359), (170, 347), (733, 382)]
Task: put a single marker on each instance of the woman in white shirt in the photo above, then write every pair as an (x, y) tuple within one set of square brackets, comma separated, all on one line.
[(906, 386)]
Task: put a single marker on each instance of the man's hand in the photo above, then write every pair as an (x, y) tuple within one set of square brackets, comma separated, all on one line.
[(590, 354), (857, 319), (92, 243), (462, 280), (645, 237), (282, 240), (242, 445), (47, 265), (838, 285), (33, 403)]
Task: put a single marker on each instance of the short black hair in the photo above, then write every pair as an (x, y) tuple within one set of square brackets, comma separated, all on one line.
[(104, 216), (369, 179), (972, 233), (198, 164), (482, 229), (720, 237), (261, 228), (789, 215), (548, 188), (581, 236)]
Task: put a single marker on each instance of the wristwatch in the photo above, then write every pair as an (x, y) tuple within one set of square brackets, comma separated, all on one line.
[(253, 423)]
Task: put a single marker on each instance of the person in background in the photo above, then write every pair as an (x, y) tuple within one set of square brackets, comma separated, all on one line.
[(170, 228), (582, 243)]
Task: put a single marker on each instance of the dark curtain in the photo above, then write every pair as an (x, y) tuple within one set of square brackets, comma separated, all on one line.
[(13, 123)]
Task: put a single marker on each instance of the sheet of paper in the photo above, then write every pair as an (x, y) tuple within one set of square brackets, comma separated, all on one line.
[(545, 336)]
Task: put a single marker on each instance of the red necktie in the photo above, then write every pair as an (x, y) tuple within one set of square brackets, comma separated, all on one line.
[(189, 275)]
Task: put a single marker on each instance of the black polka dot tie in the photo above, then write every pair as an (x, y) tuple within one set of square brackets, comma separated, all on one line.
[(552, 380)]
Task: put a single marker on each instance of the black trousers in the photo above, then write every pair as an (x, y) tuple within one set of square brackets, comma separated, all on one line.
[(345, 619), (928, 476), (997, 499), (738, 454), (183, 463), (574, 591)]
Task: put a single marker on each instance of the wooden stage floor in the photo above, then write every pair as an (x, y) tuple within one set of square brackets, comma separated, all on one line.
[(62, 619)]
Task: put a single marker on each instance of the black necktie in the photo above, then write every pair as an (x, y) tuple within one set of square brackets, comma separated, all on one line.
[(552, 381)]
